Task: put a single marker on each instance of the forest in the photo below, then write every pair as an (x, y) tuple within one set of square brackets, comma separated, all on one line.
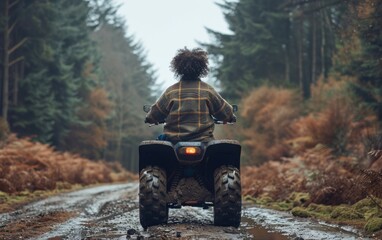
[(306, 74), (72, 78)]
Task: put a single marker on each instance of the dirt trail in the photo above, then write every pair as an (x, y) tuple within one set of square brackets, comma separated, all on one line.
[(111, 212)]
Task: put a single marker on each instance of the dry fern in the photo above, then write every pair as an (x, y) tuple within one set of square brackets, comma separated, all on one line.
[(371, 183), (26, 165)]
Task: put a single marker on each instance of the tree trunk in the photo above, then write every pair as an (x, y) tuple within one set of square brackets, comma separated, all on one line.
[(119, 154), (314, 46), (4, 104), (287, 62), (8, 50), (300, 56), (304, 81), (287, 67), (323, 44), (15, 85)]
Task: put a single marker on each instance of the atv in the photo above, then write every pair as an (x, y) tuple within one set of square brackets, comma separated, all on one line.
[(198, 174)]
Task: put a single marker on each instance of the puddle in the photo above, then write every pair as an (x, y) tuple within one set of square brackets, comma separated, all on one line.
[(259, 232), (263, 234)]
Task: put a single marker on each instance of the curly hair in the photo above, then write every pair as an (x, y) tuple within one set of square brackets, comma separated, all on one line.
[(190, 64)]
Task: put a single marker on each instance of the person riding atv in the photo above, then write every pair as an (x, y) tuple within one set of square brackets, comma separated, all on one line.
[(185, 166), (187, 106)]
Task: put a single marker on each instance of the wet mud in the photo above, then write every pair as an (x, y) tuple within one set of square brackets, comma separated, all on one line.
[(111, 212)]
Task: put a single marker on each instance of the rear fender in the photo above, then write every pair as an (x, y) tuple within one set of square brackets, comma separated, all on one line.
[(222, 152), (158, 153)]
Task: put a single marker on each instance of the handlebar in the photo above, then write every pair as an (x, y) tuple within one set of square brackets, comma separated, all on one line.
[(215, 121), (154, 124), (147, 108), (222, 122)]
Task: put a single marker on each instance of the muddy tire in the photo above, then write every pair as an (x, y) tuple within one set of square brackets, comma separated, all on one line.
[(227, 204), (153, 209)]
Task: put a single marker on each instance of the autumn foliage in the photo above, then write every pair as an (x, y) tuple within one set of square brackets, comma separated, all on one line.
[(268, 113), (26, 165), (318, 148), (90, 139)]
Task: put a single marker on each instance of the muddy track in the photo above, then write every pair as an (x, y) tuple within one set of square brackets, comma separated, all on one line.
[(111, 212)]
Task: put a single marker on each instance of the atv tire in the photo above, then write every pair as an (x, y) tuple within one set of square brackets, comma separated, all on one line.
[(227, 204), (153, 209)]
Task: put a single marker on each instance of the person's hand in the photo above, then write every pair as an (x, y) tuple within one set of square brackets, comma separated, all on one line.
[(233, 119)]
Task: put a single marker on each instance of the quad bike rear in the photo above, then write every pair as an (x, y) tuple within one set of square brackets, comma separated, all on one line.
[(198, 174)]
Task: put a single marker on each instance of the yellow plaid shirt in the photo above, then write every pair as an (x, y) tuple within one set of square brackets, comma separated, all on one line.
[(186, 107)]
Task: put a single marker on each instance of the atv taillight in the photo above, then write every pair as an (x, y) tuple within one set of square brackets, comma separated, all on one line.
[(189, 150)]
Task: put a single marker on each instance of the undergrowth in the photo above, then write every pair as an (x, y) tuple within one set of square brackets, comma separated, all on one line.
[(28, 169), (329, 160)]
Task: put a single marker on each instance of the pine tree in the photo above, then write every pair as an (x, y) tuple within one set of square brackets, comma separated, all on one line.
[(75, 51), (34, 116), (36, 107), (255, 53), (55, 58), (129, 80), (10, 59), (368, 64), (283, 43)]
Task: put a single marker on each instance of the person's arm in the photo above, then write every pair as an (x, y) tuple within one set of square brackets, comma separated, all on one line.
[(159, 110), (220, 108)]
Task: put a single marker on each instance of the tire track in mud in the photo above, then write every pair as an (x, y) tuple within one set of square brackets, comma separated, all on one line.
[(111, 212), (100, 205), (82, 205)]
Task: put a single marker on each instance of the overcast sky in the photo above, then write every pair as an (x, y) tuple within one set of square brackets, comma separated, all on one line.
[(164, 26)]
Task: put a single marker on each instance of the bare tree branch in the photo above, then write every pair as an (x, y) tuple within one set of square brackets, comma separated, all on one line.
[(293, 4), (12, 27), (13, 4), (16, 61), (19, 44), (311, 10)]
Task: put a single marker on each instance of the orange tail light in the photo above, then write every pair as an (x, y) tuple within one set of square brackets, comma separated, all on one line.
[(190, 150)]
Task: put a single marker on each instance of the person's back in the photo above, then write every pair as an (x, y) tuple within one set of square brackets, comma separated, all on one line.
[(187, 107)]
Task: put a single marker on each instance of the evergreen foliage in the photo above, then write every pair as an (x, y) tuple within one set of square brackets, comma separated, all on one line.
[(254, 54), (368, 65), (53, 87), (72, 71), (277, 43)]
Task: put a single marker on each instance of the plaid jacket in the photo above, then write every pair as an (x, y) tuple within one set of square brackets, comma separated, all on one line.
[(186, 107)]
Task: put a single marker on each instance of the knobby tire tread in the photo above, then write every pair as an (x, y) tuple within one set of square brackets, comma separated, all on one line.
[(153, 209), (227, 204)]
